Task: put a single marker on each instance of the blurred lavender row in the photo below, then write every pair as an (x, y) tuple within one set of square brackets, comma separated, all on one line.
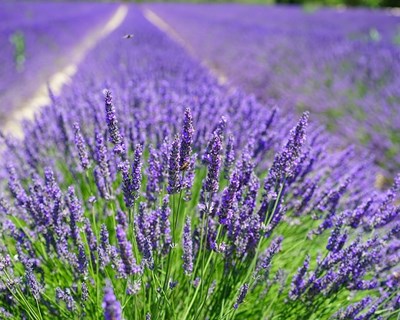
[(37, 40), (342, 64)]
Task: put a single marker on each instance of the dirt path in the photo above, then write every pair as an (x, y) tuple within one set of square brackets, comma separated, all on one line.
[(62, 77), (161, 24)]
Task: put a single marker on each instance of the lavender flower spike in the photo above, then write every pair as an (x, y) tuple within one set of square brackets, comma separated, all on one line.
[(137, 172), (187, 244), (186, 138), (123, 167), (286, 160), (126, 252), (298, 281), (112, 123), (76, 213), (81, 146), (229, 157), (228, 198), (174, 183), (214, 165), (242, 295), (32, 282), (111, 306)]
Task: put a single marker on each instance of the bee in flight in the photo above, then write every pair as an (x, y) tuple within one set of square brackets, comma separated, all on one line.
[(128, 36)]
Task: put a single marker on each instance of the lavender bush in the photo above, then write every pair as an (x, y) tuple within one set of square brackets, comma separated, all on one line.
[(343, 65), (148, 191)]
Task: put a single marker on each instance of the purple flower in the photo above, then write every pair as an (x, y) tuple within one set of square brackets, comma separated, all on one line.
[(298, 282), (102, 155), (229, 157), (228, 199), (136, 172), (154, 175), (101, 182), (174, 183), (66, 296), (111, 306), (187, 244), (15, 186), (242, 294), (122, 219), (264, 263), (31, 281), (123, 167), (214, 165), (286, 160), (104, 248), (186, 139), (81, 146), (127, 257), (76, 213), (112, 123), (336, 240), (84, 291), (82, 260), (219, 131), (353, 310)]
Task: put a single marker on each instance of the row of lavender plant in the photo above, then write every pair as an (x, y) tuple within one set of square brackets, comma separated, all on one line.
[(37, 41), (167, 196), (341, 64)]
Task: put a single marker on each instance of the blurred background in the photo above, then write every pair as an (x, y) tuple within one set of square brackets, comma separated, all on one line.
[(312, 3), (367, 3)]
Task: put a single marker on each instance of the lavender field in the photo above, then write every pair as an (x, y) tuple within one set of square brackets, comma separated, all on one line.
[(343, 65), (203, 162)]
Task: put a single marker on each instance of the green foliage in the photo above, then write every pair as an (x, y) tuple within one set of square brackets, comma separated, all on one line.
[(18, 41)]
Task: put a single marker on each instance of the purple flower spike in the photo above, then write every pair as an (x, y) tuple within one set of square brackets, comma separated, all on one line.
[(187, 244), (353, 310), (242, 294), (32, 282), (229, 157), (111, 306), (81, 146), (228, 198), (76, 213), (137, 172), (286, 160), (186, 138), (154, 175), (298, 281), (127, 257), (214, 165), (174, 183), (123, 167), (112, 123), (102, 157)]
